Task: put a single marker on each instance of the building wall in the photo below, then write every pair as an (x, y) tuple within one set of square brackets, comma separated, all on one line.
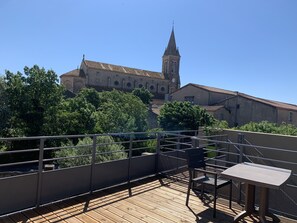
[(244, 110), (237, 110), (102, 78), (108, 80), (73, 84), (286, 116), (201, 97)]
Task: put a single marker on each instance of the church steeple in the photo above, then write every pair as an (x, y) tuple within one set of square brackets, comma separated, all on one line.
[(170, 64), (171, 47)]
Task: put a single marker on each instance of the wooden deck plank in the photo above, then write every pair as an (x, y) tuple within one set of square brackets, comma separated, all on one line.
[(152, 201), (33, 216), (6, 220), (19, 218)]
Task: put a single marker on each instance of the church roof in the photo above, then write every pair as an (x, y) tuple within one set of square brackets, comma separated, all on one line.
[(74, 73), (123, 70), (171, 48)]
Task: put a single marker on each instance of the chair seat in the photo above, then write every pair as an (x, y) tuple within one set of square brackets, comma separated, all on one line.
[(211, 181)]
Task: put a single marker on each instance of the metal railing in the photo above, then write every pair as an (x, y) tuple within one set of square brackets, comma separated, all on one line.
[(97, 166), (35, 171), (220, 151)]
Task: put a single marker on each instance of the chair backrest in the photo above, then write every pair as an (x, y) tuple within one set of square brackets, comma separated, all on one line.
[(195, 158)]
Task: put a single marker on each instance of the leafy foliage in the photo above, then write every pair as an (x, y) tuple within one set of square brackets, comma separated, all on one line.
[(121, 112), (183, 116), (216, 127), (268, 127), (144, 95), (29, 98), (4, 109), (105, 150)]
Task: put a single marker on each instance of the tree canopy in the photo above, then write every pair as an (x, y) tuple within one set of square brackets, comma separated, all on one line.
[(121, 112), (33, 104), (183, 116), (144, 95), (29, 97)]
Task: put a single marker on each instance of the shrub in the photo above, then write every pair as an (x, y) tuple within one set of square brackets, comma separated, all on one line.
[(83, 149)]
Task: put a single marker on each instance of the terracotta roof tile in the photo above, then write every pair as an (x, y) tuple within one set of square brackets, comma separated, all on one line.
[(73, 73), (122, 69)]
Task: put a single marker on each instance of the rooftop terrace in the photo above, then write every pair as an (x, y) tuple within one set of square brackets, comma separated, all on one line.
[(149, 200), (136, 187)]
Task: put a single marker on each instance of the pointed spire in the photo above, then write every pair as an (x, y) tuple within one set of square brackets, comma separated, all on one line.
[(171, 48)]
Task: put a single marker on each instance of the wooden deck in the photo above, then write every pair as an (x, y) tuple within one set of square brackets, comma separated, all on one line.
[(150, 200)]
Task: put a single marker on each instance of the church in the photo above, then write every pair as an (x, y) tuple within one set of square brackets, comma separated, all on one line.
[(105, 77)]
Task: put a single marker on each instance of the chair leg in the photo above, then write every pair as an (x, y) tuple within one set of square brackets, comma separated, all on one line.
[(188, 193), (230, 196), (215, 202)]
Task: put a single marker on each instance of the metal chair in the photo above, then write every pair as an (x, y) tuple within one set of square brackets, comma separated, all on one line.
[(196, 165)]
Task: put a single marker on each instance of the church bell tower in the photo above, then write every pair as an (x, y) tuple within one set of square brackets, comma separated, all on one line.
[(170, 64)]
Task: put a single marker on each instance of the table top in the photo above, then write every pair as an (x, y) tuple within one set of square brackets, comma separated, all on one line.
[(259, 175)]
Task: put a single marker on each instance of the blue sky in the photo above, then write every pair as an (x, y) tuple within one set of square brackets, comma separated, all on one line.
[(242, 45)]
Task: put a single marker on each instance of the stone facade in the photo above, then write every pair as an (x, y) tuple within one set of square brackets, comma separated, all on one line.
[(235, 107), (103, 76)]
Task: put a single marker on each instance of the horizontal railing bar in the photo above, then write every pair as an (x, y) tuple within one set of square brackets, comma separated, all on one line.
[(252, 146), (87, 135), (18, 163), (274, 160), (18, 151)]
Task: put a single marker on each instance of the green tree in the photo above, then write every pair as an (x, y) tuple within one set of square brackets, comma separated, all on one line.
[(91, 96), (183, 116), (106, 150), (4, 110), (30, 97), (269, 127), (144, 95), (71, 117), (121, 112)]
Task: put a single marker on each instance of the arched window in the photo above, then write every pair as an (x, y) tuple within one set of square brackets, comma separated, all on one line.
[(162, 89), (140, 85), (116, 83), (152, 87), (129, 84)]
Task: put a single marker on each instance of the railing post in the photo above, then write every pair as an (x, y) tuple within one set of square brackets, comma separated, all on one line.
[(130, 156), (178, 141), (158, 153), (93, 161), (240, 139), (195, 142), (40, 169)]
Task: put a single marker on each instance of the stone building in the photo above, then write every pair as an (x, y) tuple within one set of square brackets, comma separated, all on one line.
[(235, 107), (105, 77)]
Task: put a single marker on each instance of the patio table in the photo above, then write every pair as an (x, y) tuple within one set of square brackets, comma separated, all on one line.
[(262, 176)]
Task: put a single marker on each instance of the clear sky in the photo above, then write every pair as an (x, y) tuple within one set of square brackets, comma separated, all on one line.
[(248, 46)]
